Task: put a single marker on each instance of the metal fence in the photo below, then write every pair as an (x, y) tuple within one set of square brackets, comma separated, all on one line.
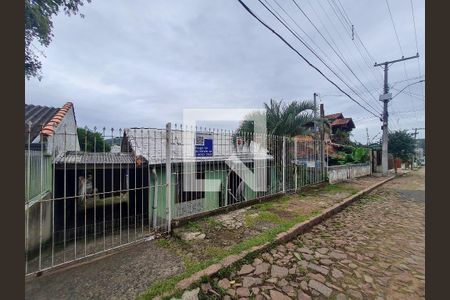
[(38, 174), (96, 200)]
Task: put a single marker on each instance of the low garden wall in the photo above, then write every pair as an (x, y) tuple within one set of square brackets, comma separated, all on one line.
[(349, 171)]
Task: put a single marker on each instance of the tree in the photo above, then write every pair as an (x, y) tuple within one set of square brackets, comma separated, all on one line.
[(91, 141), (283, 119), (401, 144), (38, 25), (341, 137)]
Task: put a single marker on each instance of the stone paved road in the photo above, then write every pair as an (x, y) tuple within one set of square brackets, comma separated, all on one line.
[(374, 249)]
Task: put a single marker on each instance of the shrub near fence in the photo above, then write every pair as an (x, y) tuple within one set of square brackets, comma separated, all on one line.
[(349, 171)]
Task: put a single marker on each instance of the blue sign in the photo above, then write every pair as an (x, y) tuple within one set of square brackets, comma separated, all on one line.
[(203, 144)]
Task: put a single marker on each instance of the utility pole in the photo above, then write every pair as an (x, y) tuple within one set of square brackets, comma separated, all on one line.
[(386, 97), (367, 133), (415, 144), (315, 114)]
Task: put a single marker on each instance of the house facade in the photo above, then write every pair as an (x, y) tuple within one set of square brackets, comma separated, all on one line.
[(191, 174), (42, 145)]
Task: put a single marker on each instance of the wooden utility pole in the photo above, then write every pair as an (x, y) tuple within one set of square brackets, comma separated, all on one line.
[(386, 97)]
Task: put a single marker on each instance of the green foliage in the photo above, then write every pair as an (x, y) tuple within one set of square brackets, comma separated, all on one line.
[(341, 137), (283, 119), (360, 155), (401, 144), (356, 155), (38, 25), (92, 141)]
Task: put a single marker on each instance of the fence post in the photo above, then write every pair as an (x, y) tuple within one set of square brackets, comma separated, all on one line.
[(168, 174), (27, 197), (295, 164), (284, 164), (327, 158)]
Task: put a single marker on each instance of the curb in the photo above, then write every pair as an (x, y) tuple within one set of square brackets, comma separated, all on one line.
[(281, 237)]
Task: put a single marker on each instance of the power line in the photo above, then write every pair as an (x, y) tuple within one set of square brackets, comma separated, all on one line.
[(299, 54), (338, 12), (408, 79), (415, 37), (395, 29), (334, 50), (417, 96), (400, 46), (331, 36), (342, 11), (306, 34), (407, 87), (315, 54), (273, 12)]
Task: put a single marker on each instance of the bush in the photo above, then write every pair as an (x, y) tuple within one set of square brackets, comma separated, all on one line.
[(356, 156)]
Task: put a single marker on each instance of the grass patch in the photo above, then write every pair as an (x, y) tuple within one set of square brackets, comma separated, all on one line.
[(263, 205), (193, 225), (268, 205), (333, 188), (213, 255), (251, 220), (212, 251), (212, 222), (193, 266), (163, 243)]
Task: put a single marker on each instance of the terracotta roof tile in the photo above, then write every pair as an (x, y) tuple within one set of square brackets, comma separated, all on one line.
[(57, 118), (334, 116), (345, 121)]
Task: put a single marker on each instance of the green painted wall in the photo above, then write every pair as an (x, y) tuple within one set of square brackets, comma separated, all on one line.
[(212, 200)]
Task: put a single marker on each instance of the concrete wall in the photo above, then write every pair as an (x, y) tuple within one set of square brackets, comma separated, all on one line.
[(62, 141), (36, 223), (345, 172)]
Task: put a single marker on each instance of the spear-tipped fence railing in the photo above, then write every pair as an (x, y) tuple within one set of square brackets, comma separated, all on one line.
[(88, 191)]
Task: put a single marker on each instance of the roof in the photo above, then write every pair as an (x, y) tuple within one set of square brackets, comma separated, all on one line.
[(150, 143), (343, 122), (43, 117), (76, 157), (48, 129), (37, 116), (335, 116)]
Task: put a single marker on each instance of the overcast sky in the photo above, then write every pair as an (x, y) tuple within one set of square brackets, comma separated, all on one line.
[(139, 63)]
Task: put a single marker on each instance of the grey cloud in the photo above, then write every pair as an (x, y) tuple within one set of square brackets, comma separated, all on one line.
[(139, 63)]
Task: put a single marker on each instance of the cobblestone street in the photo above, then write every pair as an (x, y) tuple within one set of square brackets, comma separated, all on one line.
[(374, 249)]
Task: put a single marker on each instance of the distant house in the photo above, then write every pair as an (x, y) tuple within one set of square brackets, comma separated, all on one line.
[(334, 128), (338, 122)]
